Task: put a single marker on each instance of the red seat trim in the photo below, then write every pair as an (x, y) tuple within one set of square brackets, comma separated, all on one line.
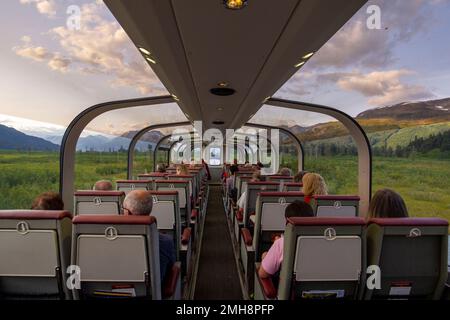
[(337, 198), (409, 222), (194, 214), (263, 183), (172, 181), (268, 287), (114, 219), (322, 221), (282, 194), (134, 181), (34, 214), (170, 282), (94, 193), (239, 215), (163, 193), (294, 184), (186, 235)]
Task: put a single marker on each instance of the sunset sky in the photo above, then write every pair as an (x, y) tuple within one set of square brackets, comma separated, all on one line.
[(51, 73)]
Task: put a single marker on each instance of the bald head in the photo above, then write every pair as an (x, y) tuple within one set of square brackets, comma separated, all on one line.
[(103, 185), (138, 202)]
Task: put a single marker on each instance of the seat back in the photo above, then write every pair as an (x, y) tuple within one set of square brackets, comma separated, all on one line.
[(167, 213), (284, 179), (130, 185), (118, 256), (323, 258), (270, 218), (293, 186), (242, 184), (335, 206), (253, 189), (98, 202), (182, 187), (192, 192), (412, 255), (34, 254)]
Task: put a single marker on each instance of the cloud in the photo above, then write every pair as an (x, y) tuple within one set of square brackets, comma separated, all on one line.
[(381, 87), (47, 7), (100, 47)]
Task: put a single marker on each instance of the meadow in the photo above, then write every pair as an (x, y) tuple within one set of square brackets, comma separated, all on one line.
[(424, 183)]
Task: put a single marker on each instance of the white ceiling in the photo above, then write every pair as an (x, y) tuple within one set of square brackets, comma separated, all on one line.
[(198, 44)]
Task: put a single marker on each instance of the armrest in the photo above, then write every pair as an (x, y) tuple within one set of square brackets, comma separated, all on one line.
[(194, 214), (267, 287), (239, 214), (170, 282), (248, 239), (186, 236)]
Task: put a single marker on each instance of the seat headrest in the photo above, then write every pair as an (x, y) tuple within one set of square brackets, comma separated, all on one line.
[(94, 193), (172, 181), (153, 174), (114, 219), (34, 214), (280, 177), (282, 194), (322, 221), (409, 222), (337, 198), (186, 176), (293, 184), (163, 193), (263, 183)]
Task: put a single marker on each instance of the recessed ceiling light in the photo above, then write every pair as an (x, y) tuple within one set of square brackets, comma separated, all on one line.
[(219, 109), (151, 60), (223, 84), (222, 91), (235, 4), (299, 64), (309, 55), (145, 51)]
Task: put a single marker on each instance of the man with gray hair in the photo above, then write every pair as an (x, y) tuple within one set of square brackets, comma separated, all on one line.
[(103, 185), (140, 203)]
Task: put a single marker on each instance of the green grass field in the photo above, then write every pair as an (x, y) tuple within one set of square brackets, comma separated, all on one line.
[(424, 183)]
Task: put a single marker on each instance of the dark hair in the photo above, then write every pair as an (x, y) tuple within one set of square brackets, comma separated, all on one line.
[(299, 176), (298, 208), (387, 203), (48, 201), (234, 168)]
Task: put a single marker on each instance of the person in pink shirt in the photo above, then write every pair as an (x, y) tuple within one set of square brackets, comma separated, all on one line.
[(272, 259)]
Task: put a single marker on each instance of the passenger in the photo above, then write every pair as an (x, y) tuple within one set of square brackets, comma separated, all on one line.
[(182, 170), (161, 168), (256, 176), (299, 176), (205, 165), (259, 165), (103, 185), (272, 259), (285, 172), (313, 185), (140, 203), (247, 164), (387, 203), (48, 201), (231, 190)]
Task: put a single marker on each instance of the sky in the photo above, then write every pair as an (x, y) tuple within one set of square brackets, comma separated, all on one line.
[(51, 73)]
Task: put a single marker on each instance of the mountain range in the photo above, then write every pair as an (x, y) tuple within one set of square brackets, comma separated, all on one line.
[(11, 139)]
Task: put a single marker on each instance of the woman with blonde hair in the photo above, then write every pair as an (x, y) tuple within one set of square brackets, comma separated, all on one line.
[(313, 185), (182, 170)]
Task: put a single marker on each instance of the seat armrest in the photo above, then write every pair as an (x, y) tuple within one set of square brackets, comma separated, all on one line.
[(268, 287), (248, 239), (239, 214), (194, 214), (186, 235), (170, 282)]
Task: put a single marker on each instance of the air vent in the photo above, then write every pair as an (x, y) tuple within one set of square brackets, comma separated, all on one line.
[(222, 91)]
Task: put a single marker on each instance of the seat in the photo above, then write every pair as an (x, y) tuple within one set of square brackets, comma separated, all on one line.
[(153, 176), (323, 259), (412, 255), (335, 206), (279, 179), (118, 257), (182, 187), (293, 186), (34, 254), (98, 202), (130, 185), (268, 222)]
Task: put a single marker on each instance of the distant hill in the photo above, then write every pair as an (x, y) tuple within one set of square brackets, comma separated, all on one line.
[(408, 111), (11, 139), (152, 136)]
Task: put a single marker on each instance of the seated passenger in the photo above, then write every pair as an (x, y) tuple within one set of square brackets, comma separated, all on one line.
[(272, 259), (205, 165), (48, 201), (140, 202), (299, 176), (285, 172), (103, 185), (161, 168), (182, 170), (387, 203), (231, 190), (313, 185)]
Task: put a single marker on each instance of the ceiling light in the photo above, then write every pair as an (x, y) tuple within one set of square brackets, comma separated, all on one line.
[(151, 60), (222, 91), (299, 64), (235, 4), (223, 84), (144, 51), (175, 97), (309, 55), (219, 109)]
